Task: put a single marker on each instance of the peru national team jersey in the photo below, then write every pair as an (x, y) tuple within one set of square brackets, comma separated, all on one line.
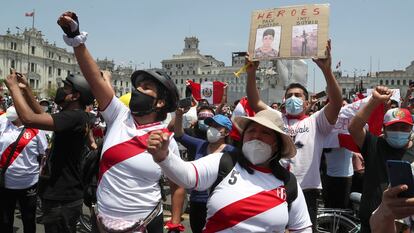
[(128, 177), (241, 202), (23, 170)]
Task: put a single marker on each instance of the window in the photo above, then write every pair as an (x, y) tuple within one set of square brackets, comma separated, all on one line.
[(386, 82), (176, 81), (188, 72), (60, 58), (68, 73), (59, 72), (404, 83), (115, 82), (193, 71), (121, 83), (13, 45), (398, 82), (381, 82), (49, 70), (68, 60), (49, 84), (33, 50), (32, 83), (32, 67), (182, 81), (13, 64), (392, 82)]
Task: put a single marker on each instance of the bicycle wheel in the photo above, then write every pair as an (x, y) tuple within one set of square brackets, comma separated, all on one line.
[(336, 223)]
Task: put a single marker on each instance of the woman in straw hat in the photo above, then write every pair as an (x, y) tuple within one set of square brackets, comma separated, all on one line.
[(252, 197)]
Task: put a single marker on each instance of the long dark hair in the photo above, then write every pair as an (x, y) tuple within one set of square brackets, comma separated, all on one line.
[(277, 169)]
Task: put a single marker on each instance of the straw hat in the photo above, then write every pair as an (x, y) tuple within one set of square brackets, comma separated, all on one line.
[(272, 120)]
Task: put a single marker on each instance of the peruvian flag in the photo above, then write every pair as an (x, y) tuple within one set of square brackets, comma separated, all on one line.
[(29, 14), (340, 136), (242, 109), (211, 91)]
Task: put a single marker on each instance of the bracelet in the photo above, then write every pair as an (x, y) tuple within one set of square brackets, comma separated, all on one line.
[(77, 40)]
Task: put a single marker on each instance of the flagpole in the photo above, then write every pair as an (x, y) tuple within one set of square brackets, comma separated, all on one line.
[(33, 18)]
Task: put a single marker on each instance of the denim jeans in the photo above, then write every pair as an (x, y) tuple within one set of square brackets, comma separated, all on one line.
[(61, 216)]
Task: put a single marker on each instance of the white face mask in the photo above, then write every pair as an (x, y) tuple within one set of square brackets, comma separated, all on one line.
[(256, 151), (11, 114), (213, 135)]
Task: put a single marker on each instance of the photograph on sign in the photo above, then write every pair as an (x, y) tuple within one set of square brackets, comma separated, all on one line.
[(267, 42), (305, 40), (292, 32)]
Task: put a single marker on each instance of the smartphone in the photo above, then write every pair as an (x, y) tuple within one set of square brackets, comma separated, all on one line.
[(400, 172), (320, 94), (185, 103)]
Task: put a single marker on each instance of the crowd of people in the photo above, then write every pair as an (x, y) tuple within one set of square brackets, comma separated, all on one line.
[(249, 166)]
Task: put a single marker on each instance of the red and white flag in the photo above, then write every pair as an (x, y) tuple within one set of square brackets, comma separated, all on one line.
[(29, 14), (210, 91), (338, 65), (340, 136)]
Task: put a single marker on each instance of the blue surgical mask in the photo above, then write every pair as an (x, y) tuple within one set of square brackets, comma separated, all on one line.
[(294, 105), (202, 126), (397, 139)]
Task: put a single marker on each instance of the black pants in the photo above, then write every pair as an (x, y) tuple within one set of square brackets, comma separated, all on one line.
[(311, 196), (27, 201), (198, 214), (336, 191), (61, 216)]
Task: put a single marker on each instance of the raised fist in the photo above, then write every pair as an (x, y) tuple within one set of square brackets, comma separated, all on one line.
[(382, 93), (69, 23)]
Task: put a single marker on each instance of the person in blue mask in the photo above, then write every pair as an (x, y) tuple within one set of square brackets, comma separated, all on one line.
[(307, 132), (394, 144)]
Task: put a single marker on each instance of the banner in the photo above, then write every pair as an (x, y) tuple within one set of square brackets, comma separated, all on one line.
[(289, 32), (210, 91)]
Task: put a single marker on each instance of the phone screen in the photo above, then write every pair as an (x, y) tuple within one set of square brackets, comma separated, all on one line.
[(400, 172)]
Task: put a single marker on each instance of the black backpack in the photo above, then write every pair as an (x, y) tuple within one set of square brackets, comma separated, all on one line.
[(89, 174), (229, 160)]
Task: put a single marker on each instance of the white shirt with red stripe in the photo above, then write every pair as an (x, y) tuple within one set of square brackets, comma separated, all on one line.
[(128, 176), (241, 202), (23, 170)]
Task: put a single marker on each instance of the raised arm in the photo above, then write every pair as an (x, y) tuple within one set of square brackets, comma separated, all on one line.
[(251, 89), (28, 95), (26, 114), (90, 70), (334, 93), (356, 128), (178, 123)]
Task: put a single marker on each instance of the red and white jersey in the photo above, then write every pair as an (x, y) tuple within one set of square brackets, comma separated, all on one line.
[(309, 135), (241, 202), (23, 170), (128, 176)]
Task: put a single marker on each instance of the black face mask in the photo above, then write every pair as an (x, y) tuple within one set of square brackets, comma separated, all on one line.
[(141, 104), (60, 96)]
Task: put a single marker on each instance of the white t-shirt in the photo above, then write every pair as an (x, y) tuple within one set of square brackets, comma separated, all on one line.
[(23, 171), (339, 163), (309, 135), (241, 202), (128, 187)]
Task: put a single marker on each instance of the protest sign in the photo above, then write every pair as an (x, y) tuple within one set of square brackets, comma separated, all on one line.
[(289, 32)]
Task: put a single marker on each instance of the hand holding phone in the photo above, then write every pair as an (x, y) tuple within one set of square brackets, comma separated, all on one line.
[(400, 172), (185, 103), (320, 94)]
